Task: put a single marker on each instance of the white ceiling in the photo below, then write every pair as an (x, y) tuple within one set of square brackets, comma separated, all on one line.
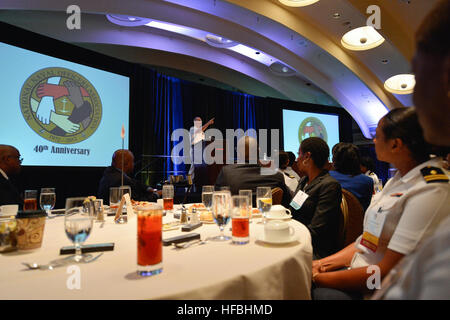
[(307, 39)]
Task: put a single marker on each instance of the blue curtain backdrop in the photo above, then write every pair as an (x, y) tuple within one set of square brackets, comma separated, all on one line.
[(160, 104), (168, 116), (174, 104)]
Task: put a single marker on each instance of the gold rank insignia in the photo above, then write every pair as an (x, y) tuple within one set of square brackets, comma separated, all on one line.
[(433, 174)]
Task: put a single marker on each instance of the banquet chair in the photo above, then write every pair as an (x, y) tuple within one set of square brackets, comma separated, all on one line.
[(277, 195), (353, 216)]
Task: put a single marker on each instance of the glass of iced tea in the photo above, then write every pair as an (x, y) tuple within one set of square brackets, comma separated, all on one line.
[(167, 195), (240, 214), (30, 200), (149, 240)]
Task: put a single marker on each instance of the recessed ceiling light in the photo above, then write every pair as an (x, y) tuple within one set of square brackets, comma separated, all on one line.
[(362, 38), (297, 3), (281, 69), (400, 84), (219, 42), (127, 21), (336, 15)]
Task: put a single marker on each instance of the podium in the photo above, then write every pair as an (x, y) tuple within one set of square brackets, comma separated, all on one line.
[(206, 174)]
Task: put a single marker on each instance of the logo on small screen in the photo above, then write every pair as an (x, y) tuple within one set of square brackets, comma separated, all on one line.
[(312, 127), (60, 105)]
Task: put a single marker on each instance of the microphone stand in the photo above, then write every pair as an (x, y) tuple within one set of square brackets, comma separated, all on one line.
[(145, 167), (186, 195)]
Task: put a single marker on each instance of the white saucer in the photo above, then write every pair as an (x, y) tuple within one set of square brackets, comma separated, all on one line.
[(284, 218), (289, 240)]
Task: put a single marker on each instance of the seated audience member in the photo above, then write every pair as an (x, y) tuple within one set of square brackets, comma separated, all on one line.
[(408, 210), (346, 164), (112, 177), (424, 274), (10, 161), (248, 175), (368, 168), (321, 211), (290, 181), (289, 169)]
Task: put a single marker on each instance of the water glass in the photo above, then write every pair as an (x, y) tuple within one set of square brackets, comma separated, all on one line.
[(240, 215), (149, 240), (221, 211), (78, 220), (264, 200), (47, 199), (207, 193), (30, 200), (167, 195)]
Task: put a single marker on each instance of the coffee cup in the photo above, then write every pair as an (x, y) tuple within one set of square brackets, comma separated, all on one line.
[(278, 212), (30, 229), (278, 231), (9, 210)]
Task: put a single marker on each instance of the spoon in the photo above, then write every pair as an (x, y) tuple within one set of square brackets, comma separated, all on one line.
[(34, 266)]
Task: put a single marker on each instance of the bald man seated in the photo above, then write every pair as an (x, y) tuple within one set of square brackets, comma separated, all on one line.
[(10, 165), (112, 177), (248, 175)]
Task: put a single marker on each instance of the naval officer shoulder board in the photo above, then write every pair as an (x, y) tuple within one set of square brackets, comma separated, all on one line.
[(434, 174), (288, 175)]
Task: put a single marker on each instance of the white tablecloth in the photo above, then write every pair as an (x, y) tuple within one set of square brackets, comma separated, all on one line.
[(217, 270)]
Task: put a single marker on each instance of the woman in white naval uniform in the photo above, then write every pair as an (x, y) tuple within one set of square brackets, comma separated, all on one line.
[(406, 212)]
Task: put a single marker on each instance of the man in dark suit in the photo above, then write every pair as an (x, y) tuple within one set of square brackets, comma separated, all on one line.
[(10, 161), (248, 175), (112, 177)]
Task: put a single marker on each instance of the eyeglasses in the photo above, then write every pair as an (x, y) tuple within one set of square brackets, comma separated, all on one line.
[(17, 157)]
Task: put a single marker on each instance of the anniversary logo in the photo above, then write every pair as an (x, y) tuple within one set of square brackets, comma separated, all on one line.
[(60, 105), (312, 127)]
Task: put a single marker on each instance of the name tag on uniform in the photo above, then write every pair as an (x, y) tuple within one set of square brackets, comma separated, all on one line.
[(371, 235), (298, 200)]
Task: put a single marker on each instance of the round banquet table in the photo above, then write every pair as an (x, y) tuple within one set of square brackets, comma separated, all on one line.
[(216, 270)]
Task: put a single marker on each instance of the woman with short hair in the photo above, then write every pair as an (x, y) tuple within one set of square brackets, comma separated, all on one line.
[(346, 163), (320, 212)]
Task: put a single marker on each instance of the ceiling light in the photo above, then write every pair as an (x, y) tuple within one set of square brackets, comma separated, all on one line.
[(362, 38), (219, 42), (400, 84), (127, 21), (297, 3)]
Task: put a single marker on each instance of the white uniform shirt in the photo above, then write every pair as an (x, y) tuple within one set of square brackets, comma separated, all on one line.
[(196, 135), (411, 210), (374, 177), (289, 181), (423, 275), (291, 172)]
